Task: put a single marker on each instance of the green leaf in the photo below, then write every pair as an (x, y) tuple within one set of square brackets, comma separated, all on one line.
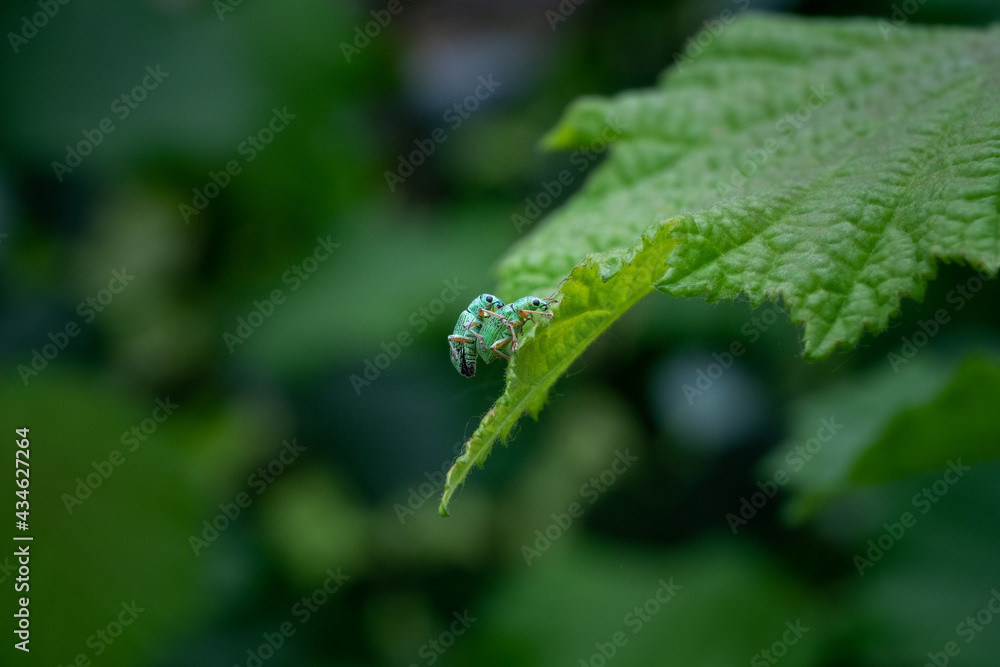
[(826, 164), (820, 162), (891, 427), (596, 294), (958, 423)]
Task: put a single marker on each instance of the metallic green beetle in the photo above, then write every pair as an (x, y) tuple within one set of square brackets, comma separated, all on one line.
[(462, 341), (500, 332)]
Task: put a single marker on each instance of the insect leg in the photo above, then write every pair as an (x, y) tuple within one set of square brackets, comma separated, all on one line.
[(468, 327), (513, 334), (524, 314), (495, 347)]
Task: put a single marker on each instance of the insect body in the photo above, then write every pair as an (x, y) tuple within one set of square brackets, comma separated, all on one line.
[(462, 342), (501, 332)]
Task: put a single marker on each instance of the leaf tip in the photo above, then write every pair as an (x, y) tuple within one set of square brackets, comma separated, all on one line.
[(557, 138)]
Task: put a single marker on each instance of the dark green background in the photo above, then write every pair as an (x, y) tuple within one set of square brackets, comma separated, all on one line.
[(371, 449)]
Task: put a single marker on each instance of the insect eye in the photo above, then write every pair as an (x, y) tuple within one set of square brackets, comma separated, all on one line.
[(489, 299), (536, 302)]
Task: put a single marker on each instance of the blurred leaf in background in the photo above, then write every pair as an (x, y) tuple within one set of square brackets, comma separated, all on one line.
[(340, 545)]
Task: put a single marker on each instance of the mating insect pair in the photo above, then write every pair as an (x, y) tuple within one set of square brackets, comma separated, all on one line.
[(488, 326)]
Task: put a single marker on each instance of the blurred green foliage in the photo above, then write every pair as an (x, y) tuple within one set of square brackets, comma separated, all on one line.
[(371, 457)]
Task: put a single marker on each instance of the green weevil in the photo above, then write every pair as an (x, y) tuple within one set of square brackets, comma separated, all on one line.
[(500, 332), (462, 341)]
